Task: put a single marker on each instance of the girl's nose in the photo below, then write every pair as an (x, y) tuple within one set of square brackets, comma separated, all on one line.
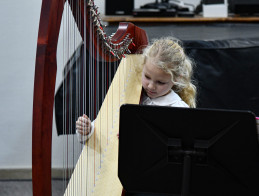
[(151, 86)]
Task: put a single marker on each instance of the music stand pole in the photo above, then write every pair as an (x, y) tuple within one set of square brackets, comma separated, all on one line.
[(186, 175)]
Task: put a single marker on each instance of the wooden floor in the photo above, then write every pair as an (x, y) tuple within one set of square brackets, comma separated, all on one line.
[(24, 188)]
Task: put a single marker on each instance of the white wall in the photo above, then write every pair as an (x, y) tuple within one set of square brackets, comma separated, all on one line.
[(18, 36), (19, 21)]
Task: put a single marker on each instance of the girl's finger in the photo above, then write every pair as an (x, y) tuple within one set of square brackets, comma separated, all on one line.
[(82, 119), (83, 132)]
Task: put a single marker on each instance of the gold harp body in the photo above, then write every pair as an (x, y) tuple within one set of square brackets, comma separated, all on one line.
[(44, 90), (96, 169)]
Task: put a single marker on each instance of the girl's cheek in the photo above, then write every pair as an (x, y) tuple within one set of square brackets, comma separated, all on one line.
[(144, 82)]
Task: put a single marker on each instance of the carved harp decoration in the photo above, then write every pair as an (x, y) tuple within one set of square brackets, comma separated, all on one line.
[(109, 48)]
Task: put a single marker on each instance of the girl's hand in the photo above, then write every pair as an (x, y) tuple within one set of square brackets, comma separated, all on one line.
[(83, 125)]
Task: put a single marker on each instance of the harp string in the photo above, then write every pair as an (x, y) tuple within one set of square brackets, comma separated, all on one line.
[(78, 87), (65, 93), (64, 99), (66, 69)]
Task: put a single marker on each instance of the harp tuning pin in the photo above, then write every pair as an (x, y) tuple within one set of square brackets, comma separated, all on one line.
[(112, 53), (96, 20), (97, 25), (101, 32), (118, 56), (90, 3), (101, 26), (107, 39)]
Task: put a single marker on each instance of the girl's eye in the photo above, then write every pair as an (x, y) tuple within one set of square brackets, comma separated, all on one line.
[(147, 77), (161, 82)]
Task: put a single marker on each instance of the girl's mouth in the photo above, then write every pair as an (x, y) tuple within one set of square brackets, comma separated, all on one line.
[(150, 92)]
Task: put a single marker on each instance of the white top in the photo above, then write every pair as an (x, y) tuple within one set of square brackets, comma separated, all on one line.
[(171, 99)]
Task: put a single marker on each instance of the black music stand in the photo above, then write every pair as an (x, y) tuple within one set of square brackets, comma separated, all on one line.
[(188, 152)]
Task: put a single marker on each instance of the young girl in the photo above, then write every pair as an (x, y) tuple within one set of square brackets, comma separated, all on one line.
[(166, 80)]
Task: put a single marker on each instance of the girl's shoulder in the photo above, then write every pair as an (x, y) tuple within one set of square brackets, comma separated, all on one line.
[(180, 103), (171, 99)]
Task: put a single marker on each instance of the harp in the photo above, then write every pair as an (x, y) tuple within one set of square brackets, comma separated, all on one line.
[(46, 69)]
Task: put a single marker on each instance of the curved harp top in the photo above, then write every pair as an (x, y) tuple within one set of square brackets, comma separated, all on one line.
[(45, 77), (126, 39)]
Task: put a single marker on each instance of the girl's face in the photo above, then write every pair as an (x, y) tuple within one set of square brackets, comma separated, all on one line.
[(155, 81)]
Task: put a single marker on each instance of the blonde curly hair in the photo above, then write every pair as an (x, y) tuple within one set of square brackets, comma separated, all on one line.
[(169, 55)]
